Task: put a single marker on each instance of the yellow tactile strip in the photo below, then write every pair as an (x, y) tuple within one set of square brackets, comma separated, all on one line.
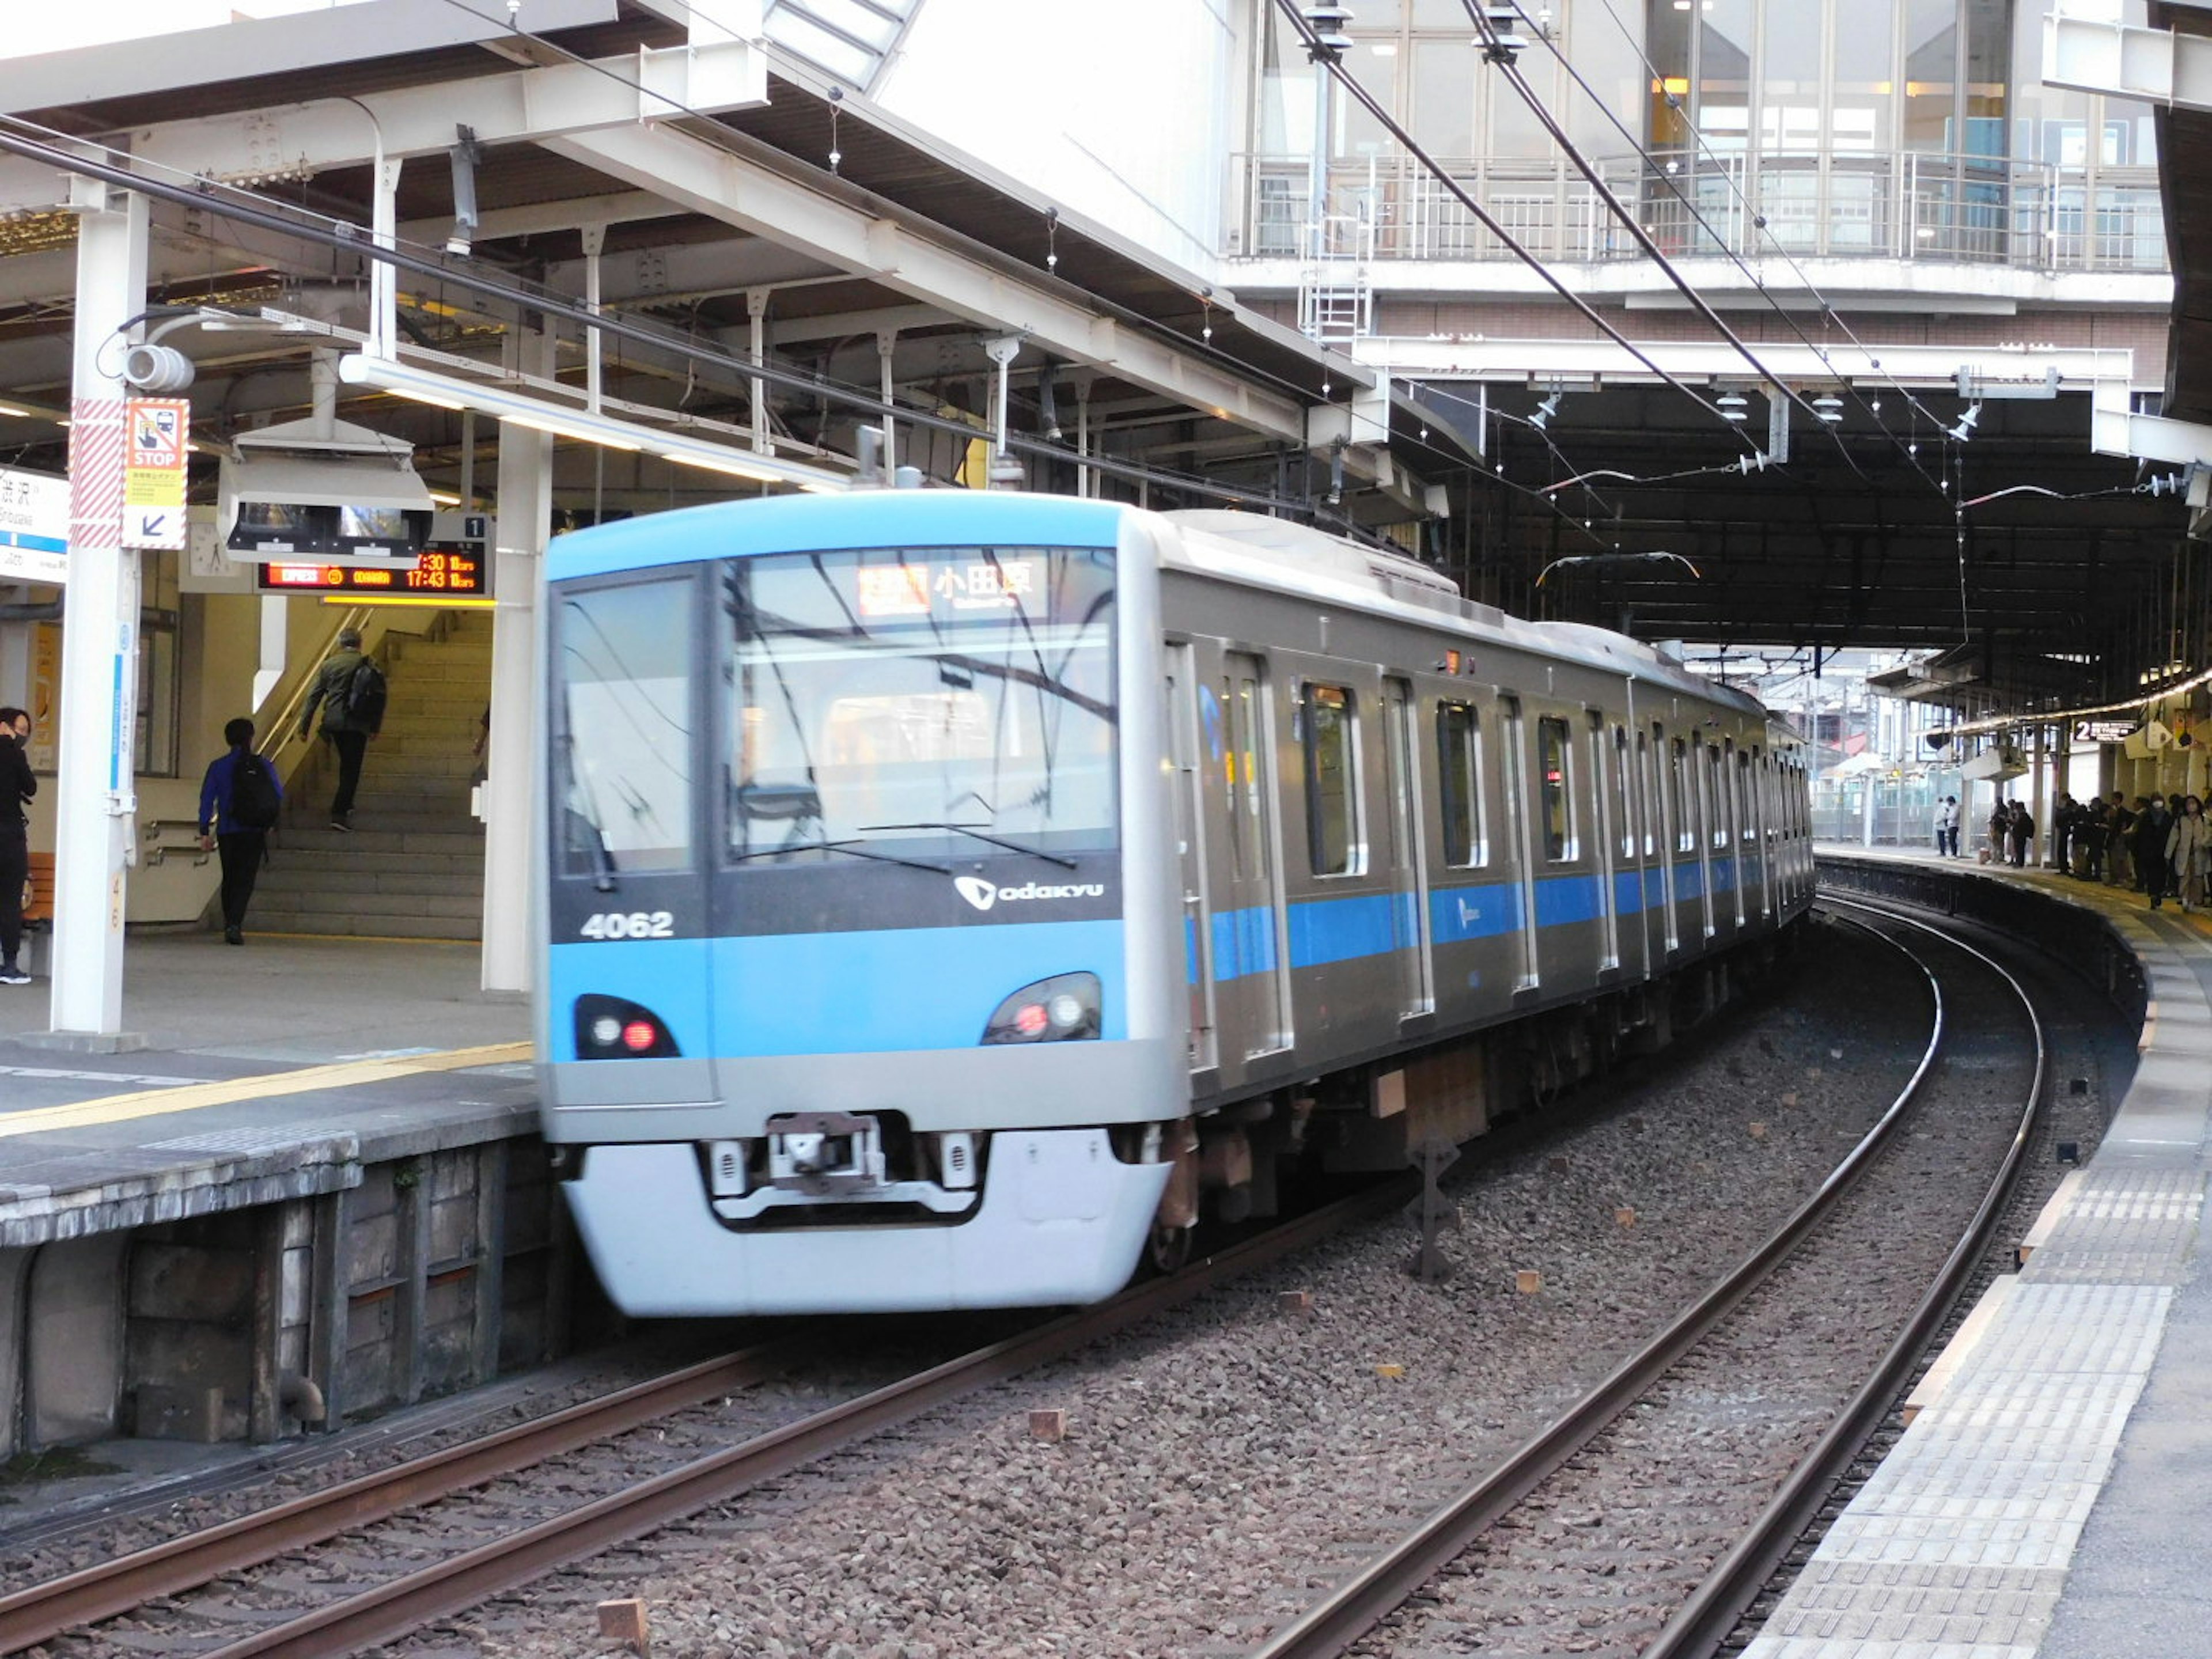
[(307, 1079)]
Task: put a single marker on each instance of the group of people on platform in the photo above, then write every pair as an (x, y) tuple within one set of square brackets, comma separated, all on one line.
[(2161, 846)]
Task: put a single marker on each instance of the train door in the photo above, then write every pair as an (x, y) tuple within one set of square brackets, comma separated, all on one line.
[(1605, 837), (1255, 977), (1183, 748), (1409, 917), (1520, 849)]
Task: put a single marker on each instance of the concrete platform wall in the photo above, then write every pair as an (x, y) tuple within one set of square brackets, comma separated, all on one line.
[(434, 1272)]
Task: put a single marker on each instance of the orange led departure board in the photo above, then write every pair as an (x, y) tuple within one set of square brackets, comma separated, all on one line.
[(448, 570)]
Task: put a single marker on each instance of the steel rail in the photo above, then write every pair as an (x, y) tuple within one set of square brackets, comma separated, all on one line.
[(404, 1604), (1329, 1628), (1704, 1623), (33, 1615)]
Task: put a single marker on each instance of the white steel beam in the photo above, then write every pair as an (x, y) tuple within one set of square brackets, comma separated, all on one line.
[(2161, 65), (301, 140), (739, 192), (1535, 361), (2115, 429)]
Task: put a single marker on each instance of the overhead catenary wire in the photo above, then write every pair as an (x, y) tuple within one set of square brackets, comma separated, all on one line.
[(1758, 221), (1328, 63), (249, 208), (1502, 60), (1907, 450)]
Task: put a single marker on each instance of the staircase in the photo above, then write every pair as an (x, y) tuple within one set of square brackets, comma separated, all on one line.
[(413, 866)]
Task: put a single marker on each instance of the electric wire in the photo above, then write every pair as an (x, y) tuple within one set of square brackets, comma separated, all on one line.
[(1504, 61), (264, 213), (1326, 62), (1755, 219), (1908, 451)]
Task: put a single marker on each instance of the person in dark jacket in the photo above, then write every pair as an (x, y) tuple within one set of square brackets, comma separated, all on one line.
[(340, 730), (230, 824), (2119, 842), (2023, 832), (2153, 825), (17, 787)]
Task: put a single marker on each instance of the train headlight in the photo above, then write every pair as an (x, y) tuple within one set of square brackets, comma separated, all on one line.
[(1062, 1009), (615, 1027)]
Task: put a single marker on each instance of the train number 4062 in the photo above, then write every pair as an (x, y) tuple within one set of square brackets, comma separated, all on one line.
[(629, 924)]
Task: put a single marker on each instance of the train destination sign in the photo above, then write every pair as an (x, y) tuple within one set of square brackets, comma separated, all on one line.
[(444, 572)]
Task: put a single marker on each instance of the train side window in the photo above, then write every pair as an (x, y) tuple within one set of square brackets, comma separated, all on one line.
[(1326, 722), (1648, 794), (1555, 755), (1716, 797), (1459, 766), (1625, 785), (1678, 796), (1746, 807)]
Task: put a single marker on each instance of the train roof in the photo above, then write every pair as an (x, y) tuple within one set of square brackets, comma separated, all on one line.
[(1238, 546), (1248, 547)]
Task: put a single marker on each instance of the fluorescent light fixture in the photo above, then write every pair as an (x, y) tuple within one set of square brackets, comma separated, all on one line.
[(560, 428), (413, 395), (580, 425), (11, 408), (445, 498)]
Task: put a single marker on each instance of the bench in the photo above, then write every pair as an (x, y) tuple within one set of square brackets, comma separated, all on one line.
[(39, 891)]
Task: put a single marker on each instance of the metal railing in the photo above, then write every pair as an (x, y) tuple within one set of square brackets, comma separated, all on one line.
[(1902, 204)]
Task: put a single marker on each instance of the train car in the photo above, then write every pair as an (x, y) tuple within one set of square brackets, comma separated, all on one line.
[(955, 898)]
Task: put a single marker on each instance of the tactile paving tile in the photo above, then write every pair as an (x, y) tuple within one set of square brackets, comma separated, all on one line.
[(1959, 1544), (2127, 1226)]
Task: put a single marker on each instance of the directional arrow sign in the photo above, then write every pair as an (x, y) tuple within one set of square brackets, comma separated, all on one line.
[(154, 526)]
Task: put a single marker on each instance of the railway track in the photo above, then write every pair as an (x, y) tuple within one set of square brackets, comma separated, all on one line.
[(1376, 1592), (356, 1615)]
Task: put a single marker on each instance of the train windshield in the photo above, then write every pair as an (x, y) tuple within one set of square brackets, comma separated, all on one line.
[(917, 704)]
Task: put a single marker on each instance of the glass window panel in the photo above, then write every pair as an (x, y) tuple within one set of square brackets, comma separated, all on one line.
[(1332, 786), (1667, 42), (1989, 40), (1284, 120), (1358, 134), (1724, 101), (1444, 97), (1931, 66), (1555, 760), (1459, 764), (624, 737), (901, 699), (1864, 111), (1790, 82)]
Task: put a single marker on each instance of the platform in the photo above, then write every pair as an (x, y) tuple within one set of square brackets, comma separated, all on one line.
[(2050, 1500), (322, 1165), (269, 1071)]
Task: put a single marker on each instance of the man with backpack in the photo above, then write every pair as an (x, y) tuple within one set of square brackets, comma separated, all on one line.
[(349, 690), (240, 799)]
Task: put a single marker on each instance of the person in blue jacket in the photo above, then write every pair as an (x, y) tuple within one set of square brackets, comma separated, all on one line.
[(239, 798)]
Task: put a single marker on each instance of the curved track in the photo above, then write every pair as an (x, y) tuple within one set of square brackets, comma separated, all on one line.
[(1337, 1623)]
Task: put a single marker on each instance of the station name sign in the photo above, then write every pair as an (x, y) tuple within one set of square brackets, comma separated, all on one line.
[(34, 527)]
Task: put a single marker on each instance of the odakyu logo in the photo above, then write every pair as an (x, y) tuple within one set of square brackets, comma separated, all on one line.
[(982, 894)]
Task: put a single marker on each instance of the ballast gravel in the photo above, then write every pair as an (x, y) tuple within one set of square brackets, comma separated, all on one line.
[(1225, 1463)]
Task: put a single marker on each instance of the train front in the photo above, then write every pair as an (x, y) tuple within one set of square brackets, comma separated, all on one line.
[(853, 1000)]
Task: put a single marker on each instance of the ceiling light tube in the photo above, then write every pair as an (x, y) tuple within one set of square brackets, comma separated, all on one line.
[(581, 425)]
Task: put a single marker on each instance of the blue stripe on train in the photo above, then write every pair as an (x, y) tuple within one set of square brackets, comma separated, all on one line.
[(1323, 930)]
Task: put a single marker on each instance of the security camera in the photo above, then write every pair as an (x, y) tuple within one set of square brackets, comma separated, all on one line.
[(156, 368)]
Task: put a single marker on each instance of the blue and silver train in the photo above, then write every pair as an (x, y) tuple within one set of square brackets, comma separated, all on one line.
[(954, 897)]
